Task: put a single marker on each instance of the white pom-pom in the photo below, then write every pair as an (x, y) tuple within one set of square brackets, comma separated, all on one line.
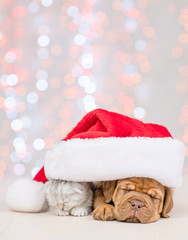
[(26, 195)]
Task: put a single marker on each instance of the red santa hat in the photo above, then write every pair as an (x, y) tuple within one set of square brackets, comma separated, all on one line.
[(107, 146)]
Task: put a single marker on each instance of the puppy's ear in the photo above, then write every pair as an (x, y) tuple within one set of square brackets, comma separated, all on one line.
[(168, 202), (108, 188)]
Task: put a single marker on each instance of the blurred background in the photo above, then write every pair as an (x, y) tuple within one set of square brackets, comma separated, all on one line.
[(62, 59)]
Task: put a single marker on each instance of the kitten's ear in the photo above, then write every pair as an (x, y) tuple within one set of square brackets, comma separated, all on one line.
[(78, 188)]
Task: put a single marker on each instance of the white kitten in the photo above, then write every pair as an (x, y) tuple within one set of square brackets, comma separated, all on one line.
[(66, 197)]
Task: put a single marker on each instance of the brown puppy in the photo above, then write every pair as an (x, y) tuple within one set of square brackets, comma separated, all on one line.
[(141, 200)]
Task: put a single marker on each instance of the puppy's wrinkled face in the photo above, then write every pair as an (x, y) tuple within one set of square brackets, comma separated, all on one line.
[(139, 200)]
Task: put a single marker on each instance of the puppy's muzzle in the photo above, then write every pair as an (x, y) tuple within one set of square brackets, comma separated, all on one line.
[(136, 205)]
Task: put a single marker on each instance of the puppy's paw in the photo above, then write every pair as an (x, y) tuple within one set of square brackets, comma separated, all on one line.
[(80, 211), (104, 212), (60, 212)]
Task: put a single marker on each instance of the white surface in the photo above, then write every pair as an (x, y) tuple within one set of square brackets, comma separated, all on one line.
[(46, 226)]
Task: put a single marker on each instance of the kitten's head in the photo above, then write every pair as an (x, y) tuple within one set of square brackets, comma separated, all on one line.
[(74, 194), (76, 187)]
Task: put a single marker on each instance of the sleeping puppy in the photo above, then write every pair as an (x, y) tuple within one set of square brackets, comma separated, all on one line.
[(133, 200)]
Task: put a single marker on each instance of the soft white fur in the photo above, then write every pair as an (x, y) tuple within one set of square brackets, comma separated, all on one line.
[(26, 195), (113, 158), (67, 198)]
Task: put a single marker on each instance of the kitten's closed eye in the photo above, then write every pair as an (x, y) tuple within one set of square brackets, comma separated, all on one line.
[(78, 188)]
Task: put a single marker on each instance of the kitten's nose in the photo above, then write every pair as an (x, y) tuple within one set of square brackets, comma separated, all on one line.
[(136, 205)]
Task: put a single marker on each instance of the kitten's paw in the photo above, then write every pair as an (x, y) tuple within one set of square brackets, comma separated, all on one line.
[(60, 212), (80, 211)]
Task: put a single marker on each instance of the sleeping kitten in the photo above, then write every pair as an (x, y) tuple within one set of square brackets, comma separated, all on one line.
[(66, 197)]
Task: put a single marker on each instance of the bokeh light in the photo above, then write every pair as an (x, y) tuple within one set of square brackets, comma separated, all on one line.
[(32, 98), (56, 50), (12, 79), (38, 144), (80, 40), (62, 59), (34, 7), (10, 102), (139, 112), (43, 41), (73, 11), (34, 171), (10, 57), (140, 45), (87, 60), (19, 169), (11, 114), (42, 85), (131, 25), (17, 125), (47, 3)]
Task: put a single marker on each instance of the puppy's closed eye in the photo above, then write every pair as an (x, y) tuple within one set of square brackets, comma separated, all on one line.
[(155, 194), (124, 190), (153, 197)]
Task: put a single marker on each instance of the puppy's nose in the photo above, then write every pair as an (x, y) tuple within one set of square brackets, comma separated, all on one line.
[(136, 205)]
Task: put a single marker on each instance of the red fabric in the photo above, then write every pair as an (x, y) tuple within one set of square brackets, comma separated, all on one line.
[(102, 123), (40, 176)]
